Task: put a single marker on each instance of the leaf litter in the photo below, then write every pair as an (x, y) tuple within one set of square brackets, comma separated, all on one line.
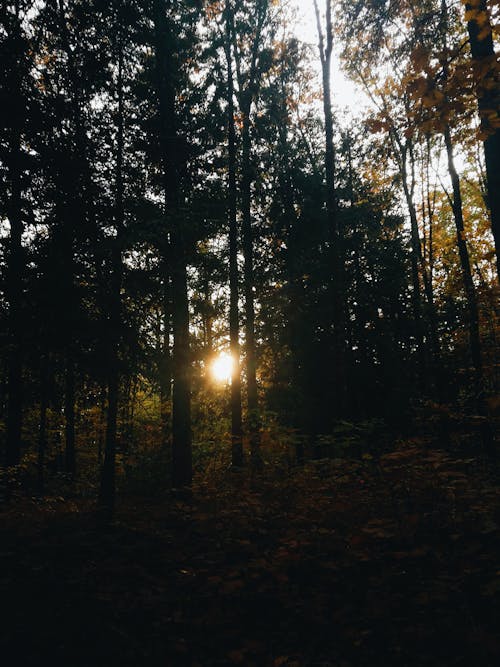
[(390, 560)]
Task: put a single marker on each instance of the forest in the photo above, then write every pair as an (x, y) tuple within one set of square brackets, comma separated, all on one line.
[(249, 332)]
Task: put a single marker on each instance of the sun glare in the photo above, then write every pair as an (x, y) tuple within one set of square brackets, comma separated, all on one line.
[(222, 367)]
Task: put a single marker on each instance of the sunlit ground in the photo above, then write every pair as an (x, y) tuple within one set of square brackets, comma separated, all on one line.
[(221, 367)]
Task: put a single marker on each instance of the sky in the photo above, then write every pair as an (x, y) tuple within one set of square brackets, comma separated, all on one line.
[(348, 99), (345, 94)]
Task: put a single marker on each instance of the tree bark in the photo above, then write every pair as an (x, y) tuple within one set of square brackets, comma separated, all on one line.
[(248, 275), (74, 217), (470, 291), (417, 263), (234, 326), (488, 98), (165, 364), (469, 288), (108, 486), (246, 95), (42, 426), (339, 374), (15, 295), (15, 261), (69, 415), (181, 397)]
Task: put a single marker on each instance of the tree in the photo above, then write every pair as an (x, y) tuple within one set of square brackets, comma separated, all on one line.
[(248, 51), (234, 327), (487, 80), (169, 142), (339, 366), (107, 490), (13, 83)]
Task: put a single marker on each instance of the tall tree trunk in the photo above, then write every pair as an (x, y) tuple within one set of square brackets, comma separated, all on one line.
[(108, 490), (401, 150), (469, 288), (404, 152), (15, 261), (68, 308), (101, 422), (415, 281), (295, 298), (74, 218), (334, 235), (42, 426), (248, 276), (234, 324), (488, 98), (181, 398), (15, 296), (165, 365), (295, 310), (247, 85), (418, 267), (69, 414), (470, 291), (428, 259), (207, 316)]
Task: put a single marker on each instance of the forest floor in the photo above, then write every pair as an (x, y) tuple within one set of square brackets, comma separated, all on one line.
[(376, 561)]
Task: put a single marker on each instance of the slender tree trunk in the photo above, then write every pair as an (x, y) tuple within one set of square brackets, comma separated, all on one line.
[(294, 311), (181, 397), (102, 416), (488, 97), (470, 291), (165, 366), (418, 267), (247, 87), (429, 285), (132, 401), (234, 325), (416, 258), (469, 288), (474, 335), (15, 296), (107, 489), (74, 217), (416, 294), (108, 486), (208, 320), (335, 240), (69, 415), (248, 275), (361, 389), (15, 261), (401, 149), (42, 427)]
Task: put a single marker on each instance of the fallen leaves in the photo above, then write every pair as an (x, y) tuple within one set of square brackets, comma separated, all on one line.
[(310, 568)]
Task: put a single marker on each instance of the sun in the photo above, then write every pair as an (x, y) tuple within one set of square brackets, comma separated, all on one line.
[(222, 367)]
